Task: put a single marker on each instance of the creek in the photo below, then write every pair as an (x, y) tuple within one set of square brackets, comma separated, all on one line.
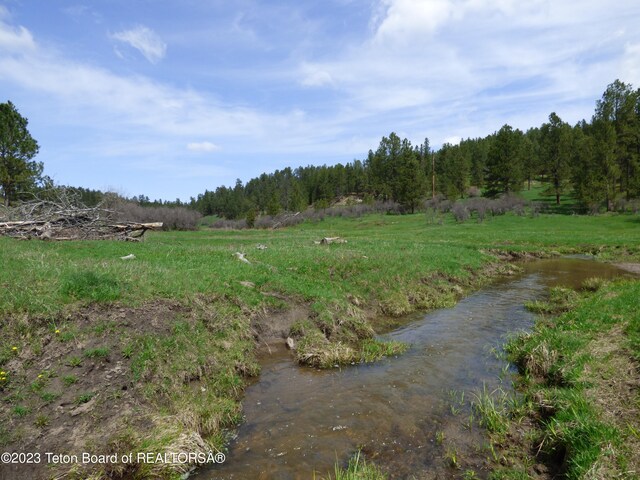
[(402, 412)]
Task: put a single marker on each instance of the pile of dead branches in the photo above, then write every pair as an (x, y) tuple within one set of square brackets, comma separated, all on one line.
[(59, 215)]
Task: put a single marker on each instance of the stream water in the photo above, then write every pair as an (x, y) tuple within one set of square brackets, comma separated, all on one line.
[(300, 420)]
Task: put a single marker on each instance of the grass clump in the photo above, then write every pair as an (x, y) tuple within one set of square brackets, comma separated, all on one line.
[(358, 469), (491, 410), (84, 398), (21, 411), (90, 285), (560, 300), (69, 380), (374, 349), (41, 421), (74, 361), (340, 336), (100, 353)]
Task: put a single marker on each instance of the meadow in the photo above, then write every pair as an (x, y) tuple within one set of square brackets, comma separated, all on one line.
[(168, 338)]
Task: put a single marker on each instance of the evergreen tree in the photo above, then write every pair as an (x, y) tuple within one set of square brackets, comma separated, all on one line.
[(556, 140), (410, 185), (619, 106), (504, 171), (18, 171)]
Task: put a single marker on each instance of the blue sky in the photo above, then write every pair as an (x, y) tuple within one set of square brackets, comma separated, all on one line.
[(169, 98)]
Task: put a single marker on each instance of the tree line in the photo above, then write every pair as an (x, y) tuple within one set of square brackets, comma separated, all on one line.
[(596, 161)]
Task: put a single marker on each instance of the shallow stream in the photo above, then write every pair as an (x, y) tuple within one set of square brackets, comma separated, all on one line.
[(300, 420)]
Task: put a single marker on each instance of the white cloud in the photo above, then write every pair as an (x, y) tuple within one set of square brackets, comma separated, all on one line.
[(17, 40), (145, 40), (406, 17), (202, 147)]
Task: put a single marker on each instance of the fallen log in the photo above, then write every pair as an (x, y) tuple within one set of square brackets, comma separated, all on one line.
[(330, 240)]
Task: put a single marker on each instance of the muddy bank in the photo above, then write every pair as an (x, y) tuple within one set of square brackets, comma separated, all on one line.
[(102, 380), (629, 267)]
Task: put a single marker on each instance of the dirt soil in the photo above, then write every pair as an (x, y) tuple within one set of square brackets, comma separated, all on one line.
[(630, 267), (616, 393), (64, 385)]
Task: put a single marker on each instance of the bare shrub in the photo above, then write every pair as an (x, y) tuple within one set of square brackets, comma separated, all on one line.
[(434, 217), (460, 212), (350, 210), (508, 202), (225, 224), (434, 203), (173, 218), (278, 221), (593, 208), (480, 206)]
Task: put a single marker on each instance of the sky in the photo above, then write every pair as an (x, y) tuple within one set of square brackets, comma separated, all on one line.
[(169, 98)]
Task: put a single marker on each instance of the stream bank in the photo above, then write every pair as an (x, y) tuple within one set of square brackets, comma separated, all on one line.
[(407, 414)]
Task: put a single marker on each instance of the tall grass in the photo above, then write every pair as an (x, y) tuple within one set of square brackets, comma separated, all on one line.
[(357, 469)]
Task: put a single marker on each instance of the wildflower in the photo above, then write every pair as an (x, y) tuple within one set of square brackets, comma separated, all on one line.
[(57, 331), (15, 349)]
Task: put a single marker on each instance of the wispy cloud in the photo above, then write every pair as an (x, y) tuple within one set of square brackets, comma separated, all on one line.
[(315, 77), (109, 97), (428, 66), (202, 147), (15, 39), (145, 40)]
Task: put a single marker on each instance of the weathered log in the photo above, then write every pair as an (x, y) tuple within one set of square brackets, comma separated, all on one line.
[(241, 257), (330, 240)]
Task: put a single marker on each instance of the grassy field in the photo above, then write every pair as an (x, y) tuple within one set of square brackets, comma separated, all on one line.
[(167, 339), (42, 278)]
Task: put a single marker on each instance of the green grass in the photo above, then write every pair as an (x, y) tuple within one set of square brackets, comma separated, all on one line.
[(491, 410), (540, 193), (100, 353), (358, 469), (91, 285), (570, 369), (383, 253), (69, 380), (21, 411), (84, 398)]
